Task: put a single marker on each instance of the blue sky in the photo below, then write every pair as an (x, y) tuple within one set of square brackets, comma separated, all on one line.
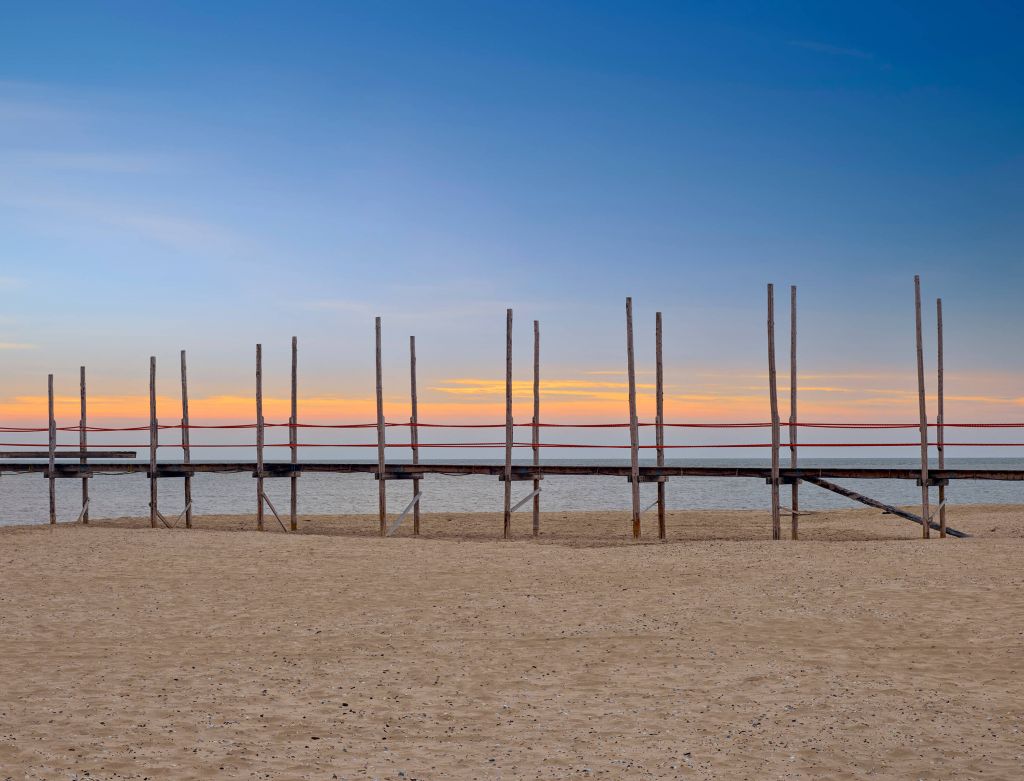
[(206, 176)]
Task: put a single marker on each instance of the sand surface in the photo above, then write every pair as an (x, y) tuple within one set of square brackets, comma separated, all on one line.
[(858, 652)]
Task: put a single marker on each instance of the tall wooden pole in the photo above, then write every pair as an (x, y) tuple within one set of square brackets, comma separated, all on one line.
[(414, 434), (185, 443), (773, 393), (940, 430), (634, 435), (82, 444), (536, 426), (52, 428), (794, 518), (922, 409), (259, 437), (293, 438), (153, 444), (659, 421), (507, 530), (382, 496)]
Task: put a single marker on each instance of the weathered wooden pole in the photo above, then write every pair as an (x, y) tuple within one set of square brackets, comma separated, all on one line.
[(634, 434), (153, 443), (82, 444), (186, 449), (507, 530), (773, 393), (536, 426), (414, 434), (52, 428), (659, 420), (922, 410), (259, 437), (794, 517), (293, 438), (940, 430), (382, 496)]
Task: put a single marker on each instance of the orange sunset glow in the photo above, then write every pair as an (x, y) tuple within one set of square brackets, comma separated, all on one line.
[(738, 398)]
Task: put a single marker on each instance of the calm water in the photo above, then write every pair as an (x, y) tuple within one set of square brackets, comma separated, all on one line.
[(23, 498)]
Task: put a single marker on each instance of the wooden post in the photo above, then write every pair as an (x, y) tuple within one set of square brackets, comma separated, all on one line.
[(659, 421), (507, 531), (82, 444), (940, 430), (414, 434), (889, 509), (52, 449), (259, 437), (185, 444), (922, 409), (634, 435), (382, 497), (794, 518), (536, 426), (773, 393), (153, 444), (293, 437)]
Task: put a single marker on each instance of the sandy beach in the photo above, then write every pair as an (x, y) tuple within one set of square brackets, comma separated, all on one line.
[(858, 652)]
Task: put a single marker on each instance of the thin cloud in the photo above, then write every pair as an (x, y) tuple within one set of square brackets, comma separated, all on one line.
[(92, 162), (584, 389), (27, 111), (16, 346), (338, 305), (403, 312), (827, 48), (180, 233), (615, 372), (212, 408)]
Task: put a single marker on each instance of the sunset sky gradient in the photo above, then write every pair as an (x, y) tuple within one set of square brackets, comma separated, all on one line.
[(208, 176)]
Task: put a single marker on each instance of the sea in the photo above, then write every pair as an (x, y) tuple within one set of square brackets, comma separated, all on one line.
[(24, 497)]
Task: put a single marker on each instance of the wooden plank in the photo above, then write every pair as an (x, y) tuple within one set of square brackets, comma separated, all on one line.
[(507, 527), (79, 454), (794, 501), (940, 431), (52, 428), (414, 502), (858, 497), (525, 499), (659, 420), (922, 408), (273, 510), (167, 524), (293, 439), (519, 471), (414, 434), (382, 496), (186, 448), (773, 394), (153, 444), (634, 434), (259, 437), (536, 425), (82, 443)]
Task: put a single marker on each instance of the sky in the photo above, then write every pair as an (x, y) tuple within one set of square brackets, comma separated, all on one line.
[(210, 176)]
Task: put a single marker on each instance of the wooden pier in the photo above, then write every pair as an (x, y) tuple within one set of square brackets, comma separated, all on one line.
[(82, 462)]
